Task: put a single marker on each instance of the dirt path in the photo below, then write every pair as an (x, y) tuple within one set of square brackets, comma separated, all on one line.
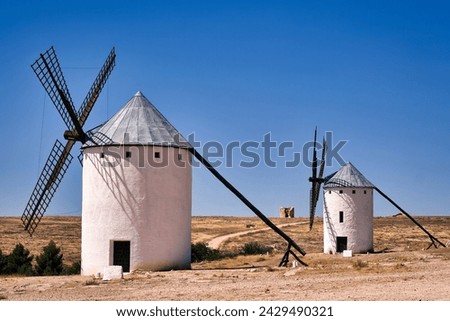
[(216, 242)]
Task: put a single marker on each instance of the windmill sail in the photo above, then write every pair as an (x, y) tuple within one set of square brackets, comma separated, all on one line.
[(319, 180), (96, 87), (316, 180), (49, 180), (48, 70), (49, 73)]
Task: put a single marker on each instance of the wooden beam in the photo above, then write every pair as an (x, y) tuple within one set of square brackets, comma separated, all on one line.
[(245, 200), (431, 236)]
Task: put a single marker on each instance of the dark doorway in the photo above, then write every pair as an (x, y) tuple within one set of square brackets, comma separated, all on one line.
[(121, 255), (341, 244)]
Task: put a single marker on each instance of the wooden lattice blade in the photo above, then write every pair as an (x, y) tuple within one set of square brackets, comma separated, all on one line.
[(49, 180)]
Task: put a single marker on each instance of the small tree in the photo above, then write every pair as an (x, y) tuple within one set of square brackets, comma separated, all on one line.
[(50, 261), (75, 268), (19, 261), (3, 262)]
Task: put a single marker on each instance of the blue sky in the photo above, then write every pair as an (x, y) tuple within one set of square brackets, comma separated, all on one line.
[(374, 73)]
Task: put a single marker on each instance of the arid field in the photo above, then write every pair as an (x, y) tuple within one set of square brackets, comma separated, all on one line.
[(400, 268)]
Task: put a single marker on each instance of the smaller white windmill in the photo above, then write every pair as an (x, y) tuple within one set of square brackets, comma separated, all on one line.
[(348, 207), (347, 211)]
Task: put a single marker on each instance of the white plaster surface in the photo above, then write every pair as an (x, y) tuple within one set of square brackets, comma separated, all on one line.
[(132, 200), (358, 218)]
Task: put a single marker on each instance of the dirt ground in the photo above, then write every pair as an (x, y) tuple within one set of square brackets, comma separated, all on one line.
[(401, 268)]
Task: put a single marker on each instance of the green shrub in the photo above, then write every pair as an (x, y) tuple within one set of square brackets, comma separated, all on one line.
[(202, 252), (50, 261), (3, 262), (253, 248), (75, 268), (19, 261)]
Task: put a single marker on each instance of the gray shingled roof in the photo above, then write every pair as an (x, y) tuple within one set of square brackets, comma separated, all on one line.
[(347, 176), (137, 123)]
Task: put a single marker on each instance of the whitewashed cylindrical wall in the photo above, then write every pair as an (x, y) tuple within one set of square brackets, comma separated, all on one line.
[(132, 193), (348, 213)]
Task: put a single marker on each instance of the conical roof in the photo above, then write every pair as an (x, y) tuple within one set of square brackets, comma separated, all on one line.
[(139, 122), (347, 176)]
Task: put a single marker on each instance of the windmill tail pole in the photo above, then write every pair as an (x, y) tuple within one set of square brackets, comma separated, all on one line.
[(244, 200), (433, 239)]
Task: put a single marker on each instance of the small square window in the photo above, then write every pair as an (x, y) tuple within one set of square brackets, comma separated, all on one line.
[(157, 155), (102, 155), (365, 192), (341, 191), (127, 154), (353, 192), (180, 157), (329, 192)]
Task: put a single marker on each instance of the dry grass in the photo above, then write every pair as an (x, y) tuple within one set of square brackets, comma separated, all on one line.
[(65, 231), (399, 269), (205, 228), (91, 282), (391, 234)]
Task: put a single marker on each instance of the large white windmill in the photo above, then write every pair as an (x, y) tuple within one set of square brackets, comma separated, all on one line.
[(137, 183), (137, 180)]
